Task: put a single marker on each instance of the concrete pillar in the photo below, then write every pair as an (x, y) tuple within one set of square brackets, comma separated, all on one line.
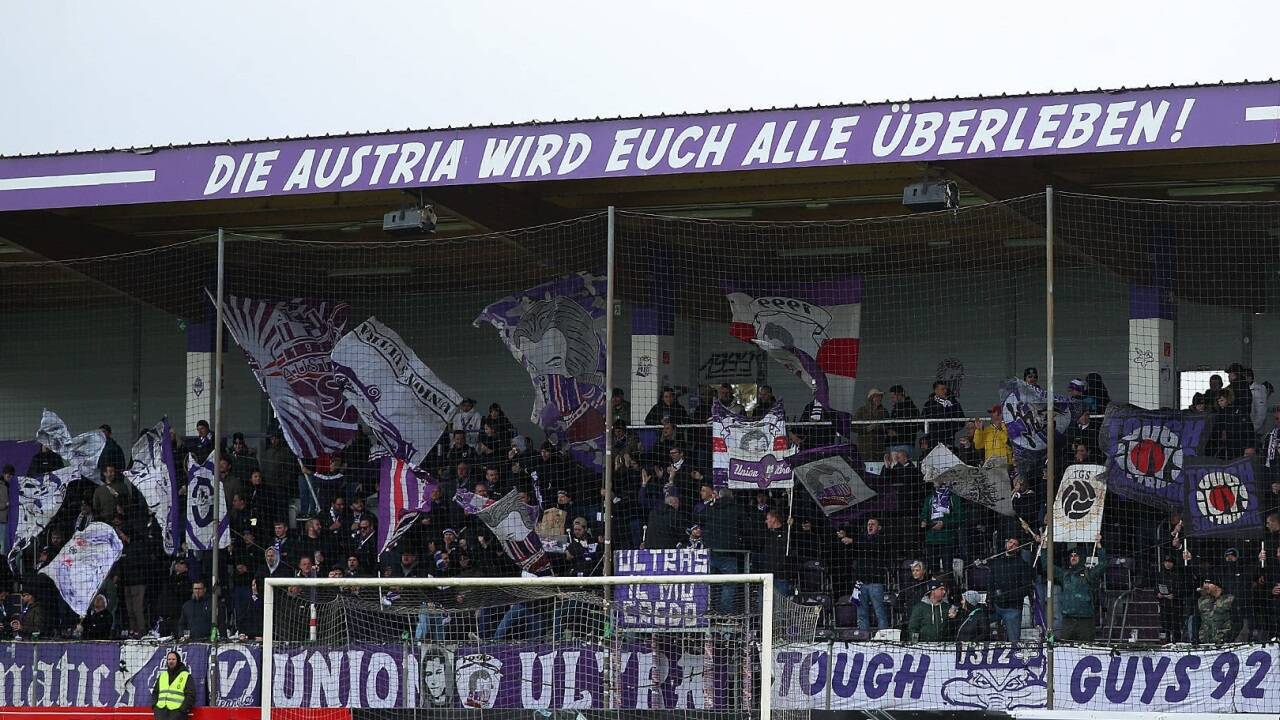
[(1153, 376), (199, 391)]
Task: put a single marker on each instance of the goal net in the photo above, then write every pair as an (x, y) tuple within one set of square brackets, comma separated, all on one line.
[(702, 645)]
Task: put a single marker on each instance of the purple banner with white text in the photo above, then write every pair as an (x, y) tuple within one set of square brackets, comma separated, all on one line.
[(960, 129)]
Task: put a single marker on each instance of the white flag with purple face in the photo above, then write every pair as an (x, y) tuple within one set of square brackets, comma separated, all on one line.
[(80, 452), (83, 563), (152, 473), (32, 504)]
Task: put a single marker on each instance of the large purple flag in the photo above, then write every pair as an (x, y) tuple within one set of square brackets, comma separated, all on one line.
[(812, 328), (556, 331), (287, 344), (1147, 451), (403, 496)]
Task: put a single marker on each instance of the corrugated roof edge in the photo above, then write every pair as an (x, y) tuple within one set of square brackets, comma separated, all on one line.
[(389, 131)]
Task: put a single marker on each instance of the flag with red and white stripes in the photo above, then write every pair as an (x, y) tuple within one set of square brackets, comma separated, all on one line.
[(812, 328)]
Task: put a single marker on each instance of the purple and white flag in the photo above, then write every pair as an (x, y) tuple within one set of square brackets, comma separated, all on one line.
[(811, 328), (406, 407), (80, 452), (513, 523), (403, 496), (203, 521), (287, 344), (556, 331), (987, 485), (153, 474), (1023, 407), (33, 502), (830, 476), (747, 453), (83, 563)]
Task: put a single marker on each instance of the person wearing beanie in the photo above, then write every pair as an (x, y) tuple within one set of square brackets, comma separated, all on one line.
[(1219, 620), (975, 621)]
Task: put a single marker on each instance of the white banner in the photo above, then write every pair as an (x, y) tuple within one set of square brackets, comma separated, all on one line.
[(867, 676), (750, 454), (83, 563), (404, 404), (80, 453), (152, 473), (1077, 510)]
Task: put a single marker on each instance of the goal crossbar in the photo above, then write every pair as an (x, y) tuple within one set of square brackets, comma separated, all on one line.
[(765, 580)]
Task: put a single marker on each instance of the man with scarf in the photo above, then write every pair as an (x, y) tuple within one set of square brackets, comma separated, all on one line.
[(941, 406), (942, 519), (174, 692)]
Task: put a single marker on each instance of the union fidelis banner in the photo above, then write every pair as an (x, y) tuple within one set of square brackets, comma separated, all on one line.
[(1147, 450), (812, 328), (1077, 510), (749, 453)]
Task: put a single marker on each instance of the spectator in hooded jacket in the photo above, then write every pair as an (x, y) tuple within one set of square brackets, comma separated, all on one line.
[(973, 620), (933, 619), (1078, 599), (903, 408)]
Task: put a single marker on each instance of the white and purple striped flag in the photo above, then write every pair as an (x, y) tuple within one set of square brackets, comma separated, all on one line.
[(287, 344), (403, 496)]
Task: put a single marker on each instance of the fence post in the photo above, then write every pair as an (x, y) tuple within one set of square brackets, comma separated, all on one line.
[(1052, 431), (610, 277), (215, 590)]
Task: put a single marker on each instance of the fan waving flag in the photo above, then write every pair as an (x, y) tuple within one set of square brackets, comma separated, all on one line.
[(1146, 452), (80, 452), (556, 331), (403, 496), (83, 563), (514, 524), (1024, 409), (747, 453), (812, 329), (987, 485), (153, 474), (287, 344), (1222, 498), (1077, 511), (828, 473), (33, 502), (203, 521), (406, 407)]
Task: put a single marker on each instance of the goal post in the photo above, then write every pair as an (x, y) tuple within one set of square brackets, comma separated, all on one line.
[(704, 643)]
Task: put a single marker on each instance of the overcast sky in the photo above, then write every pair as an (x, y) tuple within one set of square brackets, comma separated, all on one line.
[(119, 74)]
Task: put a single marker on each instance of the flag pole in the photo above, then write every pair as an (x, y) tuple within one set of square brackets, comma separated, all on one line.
[(1052, 431), (215, 588), (610, 282)]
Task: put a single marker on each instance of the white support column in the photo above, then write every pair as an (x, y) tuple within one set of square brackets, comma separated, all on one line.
[(1153, 376)]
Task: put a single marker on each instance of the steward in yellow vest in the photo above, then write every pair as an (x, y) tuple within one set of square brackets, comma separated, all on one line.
[(174, 692)]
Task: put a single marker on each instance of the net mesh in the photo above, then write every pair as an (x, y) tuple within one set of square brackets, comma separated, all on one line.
[(857, 357)]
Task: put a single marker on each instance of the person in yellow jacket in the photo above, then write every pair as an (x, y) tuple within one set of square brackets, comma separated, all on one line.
[(992, 437), (174, 693)]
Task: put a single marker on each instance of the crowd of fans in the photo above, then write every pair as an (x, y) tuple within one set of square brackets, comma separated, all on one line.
[(918, 558)]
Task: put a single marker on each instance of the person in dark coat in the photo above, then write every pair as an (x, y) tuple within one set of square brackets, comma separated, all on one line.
[(941, 405), (97, 623), (974, 622), (771, 553), (112, 453), (667, 406), (903, 408), (872, 561), (667, 524), (44, 462), (1012, 579)]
